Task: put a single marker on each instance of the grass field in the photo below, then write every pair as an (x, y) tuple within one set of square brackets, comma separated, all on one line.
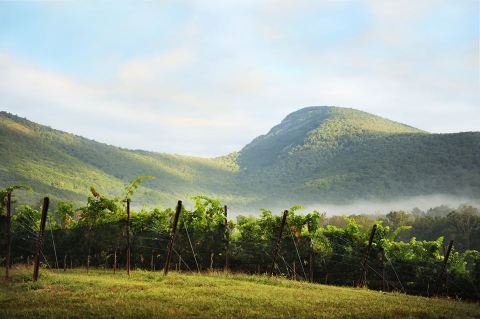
[(100, 294)]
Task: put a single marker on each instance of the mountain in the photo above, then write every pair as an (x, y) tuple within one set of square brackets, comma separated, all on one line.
[(316, 154), (65, 166), (319, 129), (338, 154)]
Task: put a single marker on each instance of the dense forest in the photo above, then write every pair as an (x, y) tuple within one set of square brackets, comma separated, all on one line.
[(317, 154), (407, 252), (339, 154)]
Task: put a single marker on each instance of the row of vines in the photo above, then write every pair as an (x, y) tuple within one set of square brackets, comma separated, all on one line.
[(310, 249)]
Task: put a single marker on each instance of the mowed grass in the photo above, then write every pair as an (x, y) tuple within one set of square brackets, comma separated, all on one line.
[(100, 294)]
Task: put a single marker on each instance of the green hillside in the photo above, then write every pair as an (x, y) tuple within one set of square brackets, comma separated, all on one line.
[(101, 294), (315, 154), (339, 154), (65, 166), (316, 128)]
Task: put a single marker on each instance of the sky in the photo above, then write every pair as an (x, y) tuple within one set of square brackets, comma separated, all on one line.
[(206, 77)]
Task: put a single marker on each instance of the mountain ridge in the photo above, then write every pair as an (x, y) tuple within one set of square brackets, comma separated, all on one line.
[(329, 153), (324, 124)]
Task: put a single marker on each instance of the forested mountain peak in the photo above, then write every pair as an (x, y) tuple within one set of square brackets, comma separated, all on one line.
[(347, 118), (318, 127)]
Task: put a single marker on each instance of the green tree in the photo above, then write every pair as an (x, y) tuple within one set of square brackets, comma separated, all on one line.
[(9, 190), (64, 214), (25, 220), (396, 219), (466, 222)]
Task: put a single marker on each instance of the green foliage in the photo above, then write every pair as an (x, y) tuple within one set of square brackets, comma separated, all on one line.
[(100, 209), (397, 231), (9, 190), (133, 185), (397, 219), (337, 154), (328, 153), (410, 265), (461, 224), (25, 221), (64, 166), (155, 220), (65, 214)]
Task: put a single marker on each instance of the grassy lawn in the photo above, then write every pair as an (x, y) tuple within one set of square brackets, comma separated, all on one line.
[(100, 294)]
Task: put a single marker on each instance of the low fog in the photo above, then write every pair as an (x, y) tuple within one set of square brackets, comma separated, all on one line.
[(384, 207), (373, 207)]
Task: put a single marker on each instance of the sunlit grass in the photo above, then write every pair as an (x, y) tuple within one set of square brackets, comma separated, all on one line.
[(100, 294)]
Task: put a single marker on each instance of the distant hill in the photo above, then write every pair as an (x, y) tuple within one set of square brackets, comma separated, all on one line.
[(316, 154), (65, 166), (339, 154)]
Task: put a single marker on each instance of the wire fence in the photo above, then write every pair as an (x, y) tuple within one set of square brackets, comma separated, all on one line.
[(105, 246)]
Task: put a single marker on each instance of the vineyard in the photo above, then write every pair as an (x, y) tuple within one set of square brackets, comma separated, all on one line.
[(107, 235)]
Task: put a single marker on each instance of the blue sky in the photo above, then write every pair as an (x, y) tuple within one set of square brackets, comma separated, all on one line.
[(206, 77)]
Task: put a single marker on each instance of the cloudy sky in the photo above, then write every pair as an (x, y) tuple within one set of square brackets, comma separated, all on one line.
[(205, 77)]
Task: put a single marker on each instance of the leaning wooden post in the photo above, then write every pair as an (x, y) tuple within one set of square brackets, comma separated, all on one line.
[(128, 237), (9, 236), (279, 239), (227, 238), (41, 232), (363, 277), (172, 238), (442, 279)]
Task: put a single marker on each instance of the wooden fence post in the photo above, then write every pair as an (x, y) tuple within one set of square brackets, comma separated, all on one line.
[(41, 232), (442, 279), (279, 239), (128, 237), (8, 256), (172, 238), (227, 238), (363, 277), (64, 263)]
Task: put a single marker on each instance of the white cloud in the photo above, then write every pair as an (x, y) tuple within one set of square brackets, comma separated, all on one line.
[(105, 113), (235, 70)]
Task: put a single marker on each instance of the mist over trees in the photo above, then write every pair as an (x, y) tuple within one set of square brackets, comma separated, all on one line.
[(406, 255)]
